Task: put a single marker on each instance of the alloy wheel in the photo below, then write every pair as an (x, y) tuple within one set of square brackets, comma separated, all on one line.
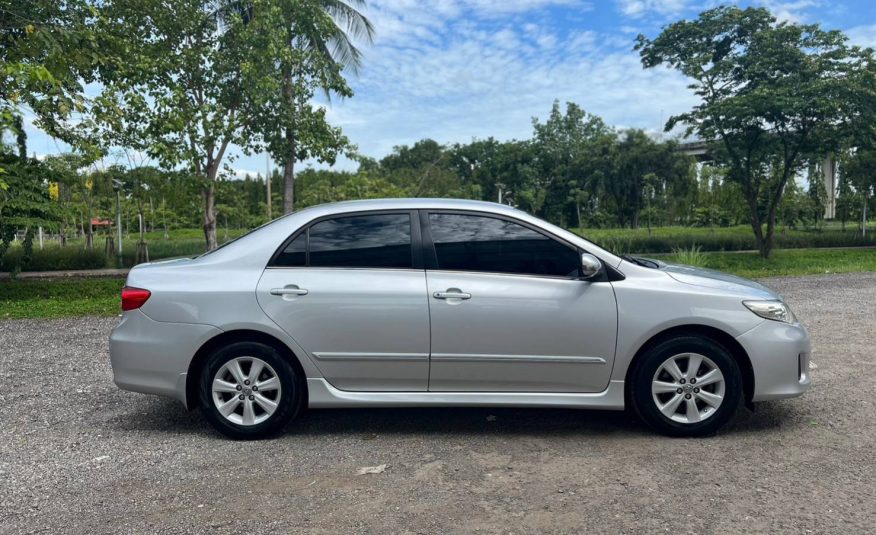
[(246, 390), (688, 388)]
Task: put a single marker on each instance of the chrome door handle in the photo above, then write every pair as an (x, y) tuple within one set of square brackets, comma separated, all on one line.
[(451, 295), (289, 291)]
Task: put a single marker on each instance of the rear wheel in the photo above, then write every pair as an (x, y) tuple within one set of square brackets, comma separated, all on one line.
[(248, 390), (686, 386)]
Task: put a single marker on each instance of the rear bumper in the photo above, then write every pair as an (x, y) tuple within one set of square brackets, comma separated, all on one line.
[(153, 357), (779, 355)]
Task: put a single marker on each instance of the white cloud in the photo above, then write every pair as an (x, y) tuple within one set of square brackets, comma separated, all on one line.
[(489, 79), (790, 11), (863, 35), (240, 174), (643, 8)]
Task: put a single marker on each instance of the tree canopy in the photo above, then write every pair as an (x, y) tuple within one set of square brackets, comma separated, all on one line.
[(770, 93)]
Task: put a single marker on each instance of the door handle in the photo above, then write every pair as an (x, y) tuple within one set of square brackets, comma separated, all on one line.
[(451, 294), (289, 290)]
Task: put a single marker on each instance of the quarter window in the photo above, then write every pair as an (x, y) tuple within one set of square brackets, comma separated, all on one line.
[(478, 243), (294, 254), (368, 241)]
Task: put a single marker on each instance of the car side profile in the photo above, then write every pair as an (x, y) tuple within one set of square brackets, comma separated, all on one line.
[(431, 302)]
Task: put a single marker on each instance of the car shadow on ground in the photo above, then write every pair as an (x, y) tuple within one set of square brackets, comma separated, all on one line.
[(167, 416)]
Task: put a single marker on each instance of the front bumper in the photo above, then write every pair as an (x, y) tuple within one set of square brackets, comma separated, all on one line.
[(779, 354), (153, 357)]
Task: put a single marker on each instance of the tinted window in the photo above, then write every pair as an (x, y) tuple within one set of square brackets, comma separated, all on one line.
[(295, 254), (476, 243), (362, 241)]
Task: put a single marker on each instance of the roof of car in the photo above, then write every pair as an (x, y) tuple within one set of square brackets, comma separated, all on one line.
[(419, 202), (412, 203)]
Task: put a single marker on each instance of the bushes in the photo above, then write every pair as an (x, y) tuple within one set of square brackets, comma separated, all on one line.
[(55, 258), (74, 256), (691, 257)]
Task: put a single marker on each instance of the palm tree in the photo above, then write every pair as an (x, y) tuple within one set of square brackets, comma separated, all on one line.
[(328, 29)]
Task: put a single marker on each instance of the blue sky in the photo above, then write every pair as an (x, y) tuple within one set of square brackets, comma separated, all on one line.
[(454, 70)]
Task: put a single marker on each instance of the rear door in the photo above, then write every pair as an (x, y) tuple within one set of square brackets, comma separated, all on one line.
[(351, 290), (509, 312)]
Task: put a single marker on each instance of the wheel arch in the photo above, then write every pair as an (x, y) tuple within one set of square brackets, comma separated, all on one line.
[(230, 337), (716, 335)]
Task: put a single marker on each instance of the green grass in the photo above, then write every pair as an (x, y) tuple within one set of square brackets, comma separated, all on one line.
[(788, 262), (692, 256), (59, 298), (737, 238), (100, 297)]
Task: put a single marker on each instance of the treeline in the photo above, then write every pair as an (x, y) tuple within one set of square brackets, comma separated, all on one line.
[(574, 171), (181, 81)]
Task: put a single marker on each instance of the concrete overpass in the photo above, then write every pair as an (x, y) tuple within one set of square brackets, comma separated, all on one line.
[(701, 150)]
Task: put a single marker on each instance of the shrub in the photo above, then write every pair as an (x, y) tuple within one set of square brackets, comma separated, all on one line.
[(54, 259), (692, 256)]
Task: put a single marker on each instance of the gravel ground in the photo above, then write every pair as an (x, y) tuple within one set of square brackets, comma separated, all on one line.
[(78, 455)]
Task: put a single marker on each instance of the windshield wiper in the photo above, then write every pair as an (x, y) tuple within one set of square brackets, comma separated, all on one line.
[(644, 262)]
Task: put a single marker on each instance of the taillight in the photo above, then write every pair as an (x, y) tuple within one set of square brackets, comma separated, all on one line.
[(133, 298)]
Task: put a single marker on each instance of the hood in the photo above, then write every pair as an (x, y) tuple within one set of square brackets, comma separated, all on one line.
[(709, 278)]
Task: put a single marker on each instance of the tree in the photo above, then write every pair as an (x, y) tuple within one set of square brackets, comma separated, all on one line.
[(70, 171), (858, 167), (47, 49), (24, 204), (570, 153), (187, 81), (770, 93), (313, 41), (641, 163), (498, 171)]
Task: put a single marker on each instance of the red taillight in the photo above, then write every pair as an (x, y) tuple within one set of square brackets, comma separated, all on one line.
[(133, 298)]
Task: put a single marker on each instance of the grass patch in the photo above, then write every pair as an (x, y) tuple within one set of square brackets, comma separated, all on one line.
[(788, 262), (693, 256), (738, 238), (60, 298)]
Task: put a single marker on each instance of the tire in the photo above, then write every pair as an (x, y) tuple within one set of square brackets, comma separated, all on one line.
[(666, 399), (249, 413)]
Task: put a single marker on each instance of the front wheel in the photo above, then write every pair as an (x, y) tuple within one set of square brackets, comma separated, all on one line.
[(249, 390), (686, 386)]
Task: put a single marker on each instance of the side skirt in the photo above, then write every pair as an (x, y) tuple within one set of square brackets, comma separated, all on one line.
[(325, 396)]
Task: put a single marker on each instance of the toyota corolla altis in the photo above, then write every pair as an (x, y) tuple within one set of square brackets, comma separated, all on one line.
[(429, 302)]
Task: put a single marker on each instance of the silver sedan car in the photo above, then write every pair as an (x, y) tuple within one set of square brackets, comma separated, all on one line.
[(430, 302)]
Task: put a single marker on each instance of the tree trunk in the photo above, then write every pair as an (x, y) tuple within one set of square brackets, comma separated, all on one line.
[(268, 186), (89, 232), (289, 164), (210, 216), (289, 174), (756, 227)]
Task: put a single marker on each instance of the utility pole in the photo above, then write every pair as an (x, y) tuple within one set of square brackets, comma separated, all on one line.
[(268, 181)]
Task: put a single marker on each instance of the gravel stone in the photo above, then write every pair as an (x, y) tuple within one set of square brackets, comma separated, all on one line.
[(78, 455)]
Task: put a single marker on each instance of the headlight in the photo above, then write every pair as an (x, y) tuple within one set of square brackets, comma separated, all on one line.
[(771, 310)]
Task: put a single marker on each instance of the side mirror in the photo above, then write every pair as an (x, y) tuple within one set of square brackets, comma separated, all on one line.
[(590, 266)]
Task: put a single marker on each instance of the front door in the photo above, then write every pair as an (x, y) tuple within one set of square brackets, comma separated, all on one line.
[(509, 312), (347, 291)]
